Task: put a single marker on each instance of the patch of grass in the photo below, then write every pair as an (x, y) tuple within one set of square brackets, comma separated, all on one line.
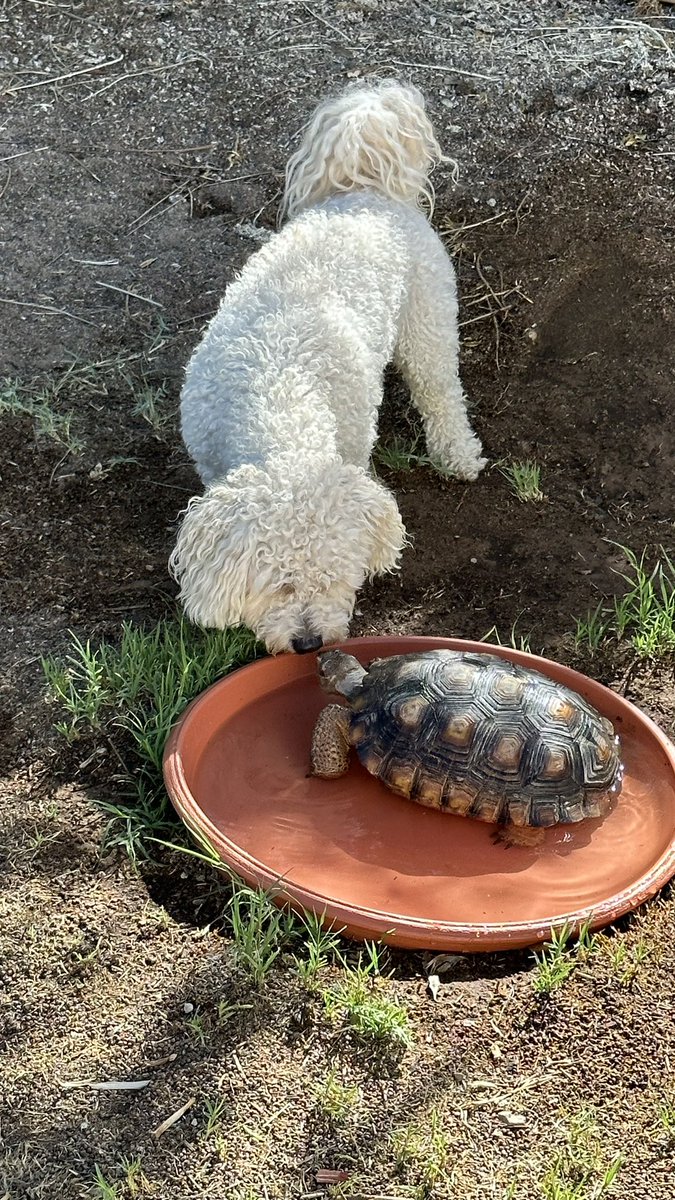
[(591, 631), (666, 1121), (154, 406), (336, 1100), (226, 1010), (136, 1182), (42, 397), (132, 1185), (196, 1026), (129, 695), (260, 930), (320, 947), (518, 641), (525, 480), (646, 612), (421, 1153), (626, 958), (401, 454), (358, 998), (580, 1170), (556, 961), (49, 424), (101, 1188), (644, 616), (215, 1110)]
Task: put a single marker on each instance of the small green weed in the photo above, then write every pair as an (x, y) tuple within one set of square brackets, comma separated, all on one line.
[(580, 1170), (319, 948), (591, 631), (626, 958), (136, 1182), (555, 962), (518, 641), (525, 480), (49, 424), (401, 454), (558, 958), (215, 1110), (196, 1026), (646, 612), (421, 1153), (42, 397), (226, 1010), (260, 930), (153, 405), (665, 1130), (336, 1099), (357, 997), (130, 695), (102, 1189), (644, 616)]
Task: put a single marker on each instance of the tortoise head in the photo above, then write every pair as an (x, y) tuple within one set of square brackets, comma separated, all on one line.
[(340, 672)]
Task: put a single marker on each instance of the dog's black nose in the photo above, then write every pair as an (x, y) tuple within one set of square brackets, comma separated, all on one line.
[(305, 645)]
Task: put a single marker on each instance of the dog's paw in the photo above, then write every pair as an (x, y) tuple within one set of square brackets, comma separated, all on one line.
[(467, 468), (470, 469)]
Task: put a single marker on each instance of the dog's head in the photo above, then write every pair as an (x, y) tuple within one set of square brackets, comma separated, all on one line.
[(283, 549)]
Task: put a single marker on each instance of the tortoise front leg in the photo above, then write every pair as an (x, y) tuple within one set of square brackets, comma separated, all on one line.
[(330, 742)]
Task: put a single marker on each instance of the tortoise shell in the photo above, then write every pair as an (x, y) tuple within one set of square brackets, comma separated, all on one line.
[(476, 735)]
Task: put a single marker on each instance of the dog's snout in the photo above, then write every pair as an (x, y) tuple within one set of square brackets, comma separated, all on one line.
[(307, 644)]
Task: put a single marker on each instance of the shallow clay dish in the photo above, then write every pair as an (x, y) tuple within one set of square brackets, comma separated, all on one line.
[(383, 867)]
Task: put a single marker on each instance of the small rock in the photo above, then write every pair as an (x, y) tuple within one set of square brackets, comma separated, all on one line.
[(434, 986), (513, 1120), (188, 1008)]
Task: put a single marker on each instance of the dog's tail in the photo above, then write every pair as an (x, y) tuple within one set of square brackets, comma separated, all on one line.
[(377, 137)]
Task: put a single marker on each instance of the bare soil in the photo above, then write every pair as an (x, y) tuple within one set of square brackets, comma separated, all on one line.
[(142, 148)]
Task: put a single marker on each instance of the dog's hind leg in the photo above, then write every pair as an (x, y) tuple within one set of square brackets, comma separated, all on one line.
[(427, 354)]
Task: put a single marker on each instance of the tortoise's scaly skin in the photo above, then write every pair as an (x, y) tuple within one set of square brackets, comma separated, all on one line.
[(478, 736)]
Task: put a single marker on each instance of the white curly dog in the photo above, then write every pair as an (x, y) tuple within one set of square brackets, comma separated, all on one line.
[(280, 402)]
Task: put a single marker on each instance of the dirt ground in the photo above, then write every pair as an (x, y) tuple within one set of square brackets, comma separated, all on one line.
[(142, 148)]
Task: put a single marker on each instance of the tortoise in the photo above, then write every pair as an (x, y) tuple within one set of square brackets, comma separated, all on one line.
[(471, 734)]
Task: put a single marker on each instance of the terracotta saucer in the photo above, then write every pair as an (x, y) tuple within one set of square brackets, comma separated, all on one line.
[(382, 867)]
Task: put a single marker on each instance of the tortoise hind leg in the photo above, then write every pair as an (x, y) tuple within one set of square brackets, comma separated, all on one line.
[(330, 742), (528, 837)]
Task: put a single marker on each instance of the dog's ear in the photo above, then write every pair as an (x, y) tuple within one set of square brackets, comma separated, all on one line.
[(386, 529), (213, 558)]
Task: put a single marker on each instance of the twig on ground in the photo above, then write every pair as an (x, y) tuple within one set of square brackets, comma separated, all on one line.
[(147, 71), (328, 24), (23, 153), (127, 292), (46, 308), (111, 62), (453, 231), (494, 296), (445, 67), (174, 1118), (171, 149), (108, 1085), (519, 210), (297, 46), (174, 192)]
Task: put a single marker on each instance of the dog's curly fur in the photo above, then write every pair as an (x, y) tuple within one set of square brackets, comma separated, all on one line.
[(280, 403)]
